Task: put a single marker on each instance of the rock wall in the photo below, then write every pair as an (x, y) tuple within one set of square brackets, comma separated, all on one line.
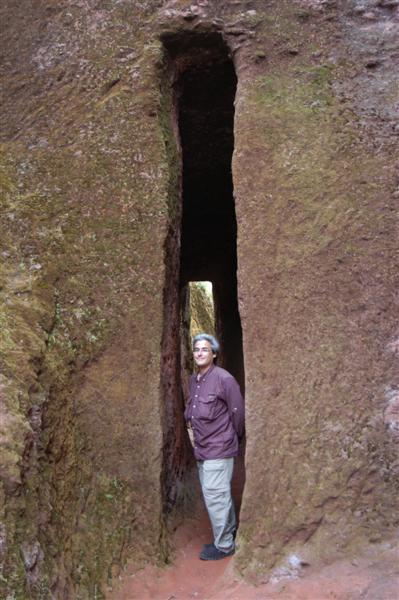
[(85, 223), (201, 311), (89, 280), (316, 193)]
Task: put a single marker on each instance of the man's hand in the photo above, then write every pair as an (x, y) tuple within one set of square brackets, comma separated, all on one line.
[(191, 435)]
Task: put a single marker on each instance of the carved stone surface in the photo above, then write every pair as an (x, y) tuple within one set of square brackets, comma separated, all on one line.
[(94, 452)]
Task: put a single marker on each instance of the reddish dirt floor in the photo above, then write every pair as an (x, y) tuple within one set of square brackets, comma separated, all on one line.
[(372, 576)]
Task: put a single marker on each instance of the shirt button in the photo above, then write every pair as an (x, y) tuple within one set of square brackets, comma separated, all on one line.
[(194, 406), (196, 396)]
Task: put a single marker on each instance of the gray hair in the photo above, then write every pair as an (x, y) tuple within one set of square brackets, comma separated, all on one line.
[(208, 338)]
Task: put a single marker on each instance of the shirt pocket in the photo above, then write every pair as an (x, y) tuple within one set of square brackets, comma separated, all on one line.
[(207, 406)]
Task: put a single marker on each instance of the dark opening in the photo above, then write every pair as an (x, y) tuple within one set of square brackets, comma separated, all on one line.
[(204, 83), (205, 90)]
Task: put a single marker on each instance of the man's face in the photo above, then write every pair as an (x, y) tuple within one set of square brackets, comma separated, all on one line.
[(203, 355)]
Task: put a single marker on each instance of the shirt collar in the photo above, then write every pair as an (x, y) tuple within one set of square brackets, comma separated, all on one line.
[(202, 377)]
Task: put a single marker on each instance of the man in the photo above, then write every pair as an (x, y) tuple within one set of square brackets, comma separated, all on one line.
[(215, 416)]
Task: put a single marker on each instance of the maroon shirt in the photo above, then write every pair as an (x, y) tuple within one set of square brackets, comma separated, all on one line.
[(215, 409)]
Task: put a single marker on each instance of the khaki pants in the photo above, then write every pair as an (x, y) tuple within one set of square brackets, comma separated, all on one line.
[(215, 477)]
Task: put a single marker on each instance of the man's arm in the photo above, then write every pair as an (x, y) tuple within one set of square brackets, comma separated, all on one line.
[(235, 404)]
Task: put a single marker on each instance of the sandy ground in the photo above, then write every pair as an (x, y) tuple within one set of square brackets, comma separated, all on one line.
[(374, 575)]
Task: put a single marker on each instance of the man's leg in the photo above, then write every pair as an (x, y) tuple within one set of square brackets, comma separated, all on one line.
[(215, 477)]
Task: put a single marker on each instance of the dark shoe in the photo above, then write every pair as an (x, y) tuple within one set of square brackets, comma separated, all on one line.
[(206, 546), (210, 552), (212, 545)]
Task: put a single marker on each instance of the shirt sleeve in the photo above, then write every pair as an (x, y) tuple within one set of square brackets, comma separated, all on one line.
[(235, 404), (187, 410)]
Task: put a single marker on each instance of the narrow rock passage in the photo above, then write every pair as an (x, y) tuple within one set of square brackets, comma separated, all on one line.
[(188, 576), (372, 576)]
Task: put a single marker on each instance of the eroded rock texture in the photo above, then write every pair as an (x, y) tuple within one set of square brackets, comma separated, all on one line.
[(201, 311), (94, 452), (85, 222), (317, 280)]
